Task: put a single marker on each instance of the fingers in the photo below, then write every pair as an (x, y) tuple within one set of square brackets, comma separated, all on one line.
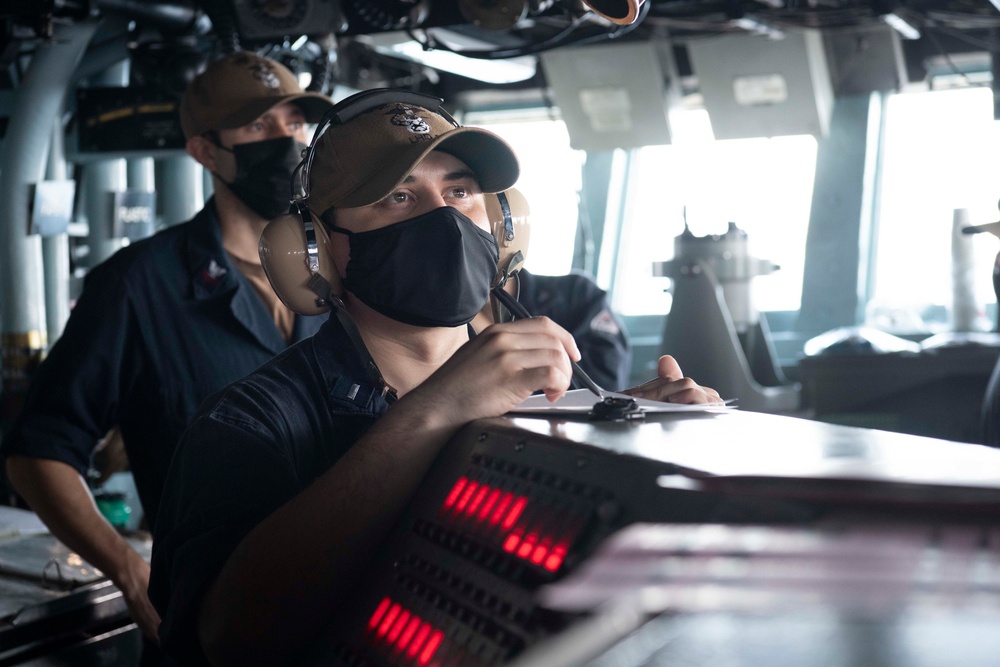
[(539, 326), (672, 387), (537, 355), (668, 368), (502, 366)]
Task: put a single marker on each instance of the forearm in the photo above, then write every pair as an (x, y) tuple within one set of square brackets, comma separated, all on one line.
[(277, 589), (59, 495)]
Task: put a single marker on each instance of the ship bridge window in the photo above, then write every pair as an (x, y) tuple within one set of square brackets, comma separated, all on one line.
[(550, 181), (763, 185), (939, 154)]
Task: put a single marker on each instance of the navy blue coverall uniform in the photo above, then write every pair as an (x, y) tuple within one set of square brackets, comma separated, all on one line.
[(160, 326)]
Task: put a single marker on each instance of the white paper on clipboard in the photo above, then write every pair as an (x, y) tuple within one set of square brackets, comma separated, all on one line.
[(581, 401)]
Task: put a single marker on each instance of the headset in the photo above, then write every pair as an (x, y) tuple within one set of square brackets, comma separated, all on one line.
[(295, 250), (294, 247)]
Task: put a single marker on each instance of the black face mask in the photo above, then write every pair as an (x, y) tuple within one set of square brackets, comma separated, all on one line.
[(434, 270), (264, 174)]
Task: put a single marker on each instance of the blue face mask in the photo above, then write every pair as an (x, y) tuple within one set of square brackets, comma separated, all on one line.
[(434, 270)]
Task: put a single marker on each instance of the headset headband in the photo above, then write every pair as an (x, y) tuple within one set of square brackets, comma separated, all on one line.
[(347, 110)]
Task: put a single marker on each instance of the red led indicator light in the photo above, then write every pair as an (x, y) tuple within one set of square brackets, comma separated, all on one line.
[(432, 646), (455, 490), (464, 500), (555, 558), (527, 546), (397, 627), (382, 606), (488, 505), (514, 513), (405, 632), (411, 629), (483, 490), (389, 619), (502, 507), (419, 640), (482, 503)]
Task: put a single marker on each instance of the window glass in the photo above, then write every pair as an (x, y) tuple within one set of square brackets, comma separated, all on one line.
[(763, 185), (550, 181), (940, 154)]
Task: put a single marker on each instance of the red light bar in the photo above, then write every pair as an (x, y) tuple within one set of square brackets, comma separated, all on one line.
[(488, 505), (432, 646), (389, 619), (419, 640), (455, 490), (397, 627), (464, 500), (411, 629), (524, 551), (377, 616), (404, 631), (515, 512), (484, 503), (478, 499), (505, 502), (555, 558)]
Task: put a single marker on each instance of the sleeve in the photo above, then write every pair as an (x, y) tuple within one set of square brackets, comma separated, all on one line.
[(205, 513), (73, 399)]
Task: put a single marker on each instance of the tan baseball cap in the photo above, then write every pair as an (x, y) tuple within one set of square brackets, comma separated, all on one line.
[(235, 90), (363, 159)]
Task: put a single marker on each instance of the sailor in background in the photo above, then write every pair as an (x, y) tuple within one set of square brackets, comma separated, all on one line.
[(167, 321)]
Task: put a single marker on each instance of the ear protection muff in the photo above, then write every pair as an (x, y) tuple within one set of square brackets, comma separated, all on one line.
[(508, 213), (294, 251)]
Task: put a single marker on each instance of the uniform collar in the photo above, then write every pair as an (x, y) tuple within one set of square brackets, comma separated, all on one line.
[(213, 275), (347, 382)]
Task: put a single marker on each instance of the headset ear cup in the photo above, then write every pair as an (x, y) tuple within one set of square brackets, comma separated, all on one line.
[(520, 225), (327, 265), (284, 254)]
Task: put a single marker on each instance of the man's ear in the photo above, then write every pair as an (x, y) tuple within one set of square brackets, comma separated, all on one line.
[(212, 157), (203, 151)]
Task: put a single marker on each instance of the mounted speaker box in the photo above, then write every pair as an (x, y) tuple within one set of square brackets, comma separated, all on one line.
[(610, 96), (758, 87)]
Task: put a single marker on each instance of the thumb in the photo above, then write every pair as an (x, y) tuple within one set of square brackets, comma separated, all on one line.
[(668, 369)]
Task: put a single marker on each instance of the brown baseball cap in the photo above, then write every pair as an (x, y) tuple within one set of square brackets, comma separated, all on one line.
[(235, 90), (363, 159)]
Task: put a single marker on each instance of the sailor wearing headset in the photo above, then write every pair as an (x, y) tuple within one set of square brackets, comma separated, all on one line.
[(284, 486)]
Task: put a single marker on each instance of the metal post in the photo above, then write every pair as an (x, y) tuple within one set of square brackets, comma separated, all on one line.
[(101, 178), (22, 163), (141, 176), (55, 249), (181, 189)]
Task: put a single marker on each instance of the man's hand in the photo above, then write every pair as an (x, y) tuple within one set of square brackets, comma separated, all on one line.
[(501, 367), (60, 497), (132, 581), (670, 386)]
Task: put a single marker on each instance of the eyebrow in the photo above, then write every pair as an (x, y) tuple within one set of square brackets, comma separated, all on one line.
[(296, 114), (460, 175)]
